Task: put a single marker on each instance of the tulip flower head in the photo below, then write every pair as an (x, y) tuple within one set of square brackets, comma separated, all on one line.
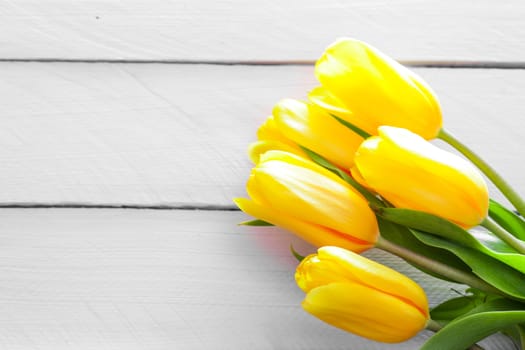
[(310, 201), (376, 90), (313, 128), (411, 173), (361, 296)]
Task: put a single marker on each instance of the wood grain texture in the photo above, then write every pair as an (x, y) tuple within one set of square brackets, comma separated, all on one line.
[(176, 135), (143, 279), (157, 134), (271, 30)]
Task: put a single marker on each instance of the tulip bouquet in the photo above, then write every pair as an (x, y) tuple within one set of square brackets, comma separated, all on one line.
[(352, 168)]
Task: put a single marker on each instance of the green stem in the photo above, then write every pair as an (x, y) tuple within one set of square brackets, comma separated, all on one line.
[(504, 235), (500, 183), (436, 266), (433, 325)]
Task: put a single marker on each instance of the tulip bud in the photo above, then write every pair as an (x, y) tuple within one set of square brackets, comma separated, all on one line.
[(411, 173), (377, 90), (361, 296), (313, 128), (310, 201)]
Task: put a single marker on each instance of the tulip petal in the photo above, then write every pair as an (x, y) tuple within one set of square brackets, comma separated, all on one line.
[(365, 311), (306, 195), (311, 127), (376, 276), (322, 97), (256, 149), (293, 159), (377, 89), (314, 234), (422, 177)]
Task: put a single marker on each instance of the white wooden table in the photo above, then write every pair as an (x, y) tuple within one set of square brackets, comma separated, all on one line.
[(112, 111)]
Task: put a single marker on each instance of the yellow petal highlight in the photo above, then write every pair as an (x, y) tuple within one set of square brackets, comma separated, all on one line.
[(376, 89), (271, 138), (256, 149), (322, 97), (313, 128), (288, 157)]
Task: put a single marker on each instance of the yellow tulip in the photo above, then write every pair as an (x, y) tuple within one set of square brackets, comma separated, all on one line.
[(412, 173), (361, 296), (313, 128), (377, 90), (271, 138), (310, 201)]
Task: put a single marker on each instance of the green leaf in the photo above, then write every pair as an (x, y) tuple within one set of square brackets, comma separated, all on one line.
[(507, 219), (453, 308), (402, 236), (457, 307), (256, 222), (480, 322), (352, 127), (426, 222), (497, 304), (478, 238), (503, 277), (298, 256)]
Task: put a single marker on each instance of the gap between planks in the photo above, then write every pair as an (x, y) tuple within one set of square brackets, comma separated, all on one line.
[(206, 207), (422, 64)]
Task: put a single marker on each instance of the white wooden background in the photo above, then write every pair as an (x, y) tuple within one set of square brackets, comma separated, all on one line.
[(151, 104)]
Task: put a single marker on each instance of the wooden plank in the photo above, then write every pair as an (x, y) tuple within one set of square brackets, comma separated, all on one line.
[(272, 30), (144, 279), (159, 134)]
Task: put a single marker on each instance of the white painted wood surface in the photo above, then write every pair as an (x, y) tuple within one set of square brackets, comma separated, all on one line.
[(159, 134), (176, 135), (168, 279), (267, 30)]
